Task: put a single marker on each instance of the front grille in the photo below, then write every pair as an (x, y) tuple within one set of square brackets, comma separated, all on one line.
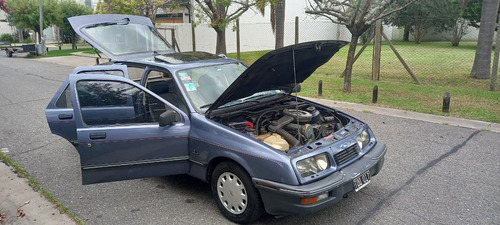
[(346, 155)]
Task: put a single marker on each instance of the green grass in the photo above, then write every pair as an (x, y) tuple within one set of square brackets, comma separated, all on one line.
[(67, 52), (37, 187), (439, 67)]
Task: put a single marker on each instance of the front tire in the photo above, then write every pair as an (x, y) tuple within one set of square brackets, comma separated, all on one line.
[(234, 193)]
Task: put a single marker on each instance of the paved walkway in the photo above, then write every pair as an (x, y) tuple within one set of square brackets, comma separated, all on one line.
[(21, 205)]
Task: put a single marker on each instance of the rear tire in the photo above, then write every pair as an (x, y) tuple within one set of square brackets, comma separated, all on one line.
[(234, 193)]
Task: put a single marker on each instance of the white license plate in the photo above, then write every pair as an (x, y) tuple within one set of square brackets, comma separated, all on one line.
[(361, 181)]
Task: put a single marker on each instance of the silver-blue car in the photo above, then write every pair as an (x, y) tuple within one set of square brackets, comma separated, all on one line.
[(152, 111)]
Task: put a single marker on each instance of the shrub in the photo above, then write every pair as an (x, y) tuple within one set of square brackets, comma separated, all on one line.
[(7, 37)]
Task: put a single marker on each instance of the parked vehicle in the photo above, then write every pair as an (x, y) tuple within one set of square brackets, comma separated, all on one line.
[(155, 112)]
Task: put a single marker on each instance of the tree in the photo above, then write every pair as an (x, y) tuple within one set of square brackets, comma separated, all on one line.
[(279, 10), (148, 8), (357, 16), (70, 8), (221, 13), (449, 17), (25, 14), (117, 7), (424, 16), (482, 60), (277, 19)]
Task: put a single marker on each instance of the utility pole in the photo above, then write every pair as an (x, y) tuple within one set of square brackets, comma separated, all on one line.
[(42, 39)]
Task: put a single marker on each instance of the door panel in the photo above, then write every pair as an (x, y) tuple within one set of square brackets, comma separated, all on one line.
[(120, 138), (59, 114)]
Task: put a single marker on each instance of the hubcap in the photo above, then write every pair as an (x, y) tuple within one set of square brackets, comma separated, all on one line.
[(232, 193)]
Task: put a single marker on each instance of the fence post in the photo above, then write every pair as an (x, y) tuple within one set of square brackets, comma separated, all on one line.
[(193, 36), (320, 88), (296, 30), (446, 102), (238, 38), (375, 94), (377, 48)]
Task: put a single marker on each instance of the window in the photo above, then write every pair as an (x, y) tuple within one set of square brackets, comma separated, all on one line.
[(116, 103), (64, 100), (135, 73), (107, 72), (162, 84)]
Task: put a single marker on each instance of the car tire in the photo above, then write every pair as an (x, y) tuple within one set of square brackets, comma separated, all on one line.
[(234, 193)]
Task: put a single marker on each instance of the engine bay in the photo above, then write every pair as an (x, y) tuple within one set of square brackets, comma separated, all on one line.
[(284, 124)]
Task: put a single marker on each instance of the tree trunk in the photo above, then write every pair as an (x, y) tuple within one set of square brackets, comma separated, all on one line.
[(406, 33), (280, 24), (221, 41), (482, 61), (73, 41), (349, 63)]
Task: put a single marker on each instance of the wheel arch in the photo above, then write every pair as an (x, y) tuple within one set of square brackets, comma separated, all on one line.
[(217, 160)]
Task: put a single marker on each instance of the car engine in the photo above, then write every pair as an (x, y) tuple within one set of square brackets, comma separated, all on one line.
[(284, 124)]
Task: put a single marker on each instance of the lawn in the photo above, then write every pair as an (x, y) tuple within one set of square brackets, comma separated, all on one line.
[(439, 67)]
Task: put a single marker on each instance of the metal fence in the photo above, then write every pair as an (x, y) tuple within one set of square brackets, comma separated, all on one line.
[(434, 57)]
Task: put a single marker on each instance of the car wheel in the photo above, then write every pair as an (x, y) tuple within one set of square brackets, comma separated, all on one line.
[(236, 196)]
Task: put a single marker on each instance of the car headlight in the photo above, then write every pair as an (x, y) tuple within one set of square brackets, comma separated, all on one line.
[(363, 139), (313, 165)]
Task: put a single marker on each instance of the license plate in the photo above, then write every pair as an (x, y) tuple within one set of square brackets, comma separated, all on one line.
[(361, 181)]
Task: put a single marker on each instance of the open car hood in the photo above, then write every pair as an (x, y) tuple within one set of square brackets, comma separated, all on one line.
[(280, 69), (121, 37)]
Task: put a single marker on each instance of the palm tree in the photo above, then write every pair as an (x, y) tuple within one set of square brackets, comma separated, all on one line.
[(482, 61)]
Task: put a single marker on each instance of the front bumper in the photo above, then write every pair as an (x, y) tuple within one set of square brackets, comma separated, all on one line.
[(281, 199)]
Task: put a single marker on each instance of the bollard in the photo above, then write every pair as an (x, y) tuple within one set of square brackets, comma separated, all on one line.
[(320, 88), (446, 102), (97, 60), (375, 94)]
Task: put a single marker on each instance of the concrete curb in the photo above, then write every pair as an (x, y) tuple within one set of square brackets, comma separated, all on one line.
[(453, 121)]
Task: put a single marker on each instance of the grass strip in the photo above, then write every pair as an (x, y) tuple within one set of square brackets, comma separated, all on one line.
[(37, 187)]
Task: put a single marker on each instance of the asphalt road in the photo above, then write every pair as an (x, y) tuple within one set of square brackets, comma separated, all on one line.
[(433, 173)]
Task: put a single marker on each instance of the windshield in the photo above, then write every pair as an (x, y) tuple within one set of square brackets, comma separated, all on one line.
[(121, 39), (205, 84)]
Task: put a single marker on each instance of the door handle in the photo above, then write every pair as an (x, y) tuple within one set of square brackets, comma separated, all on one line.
[(65, 116), (100, 135)]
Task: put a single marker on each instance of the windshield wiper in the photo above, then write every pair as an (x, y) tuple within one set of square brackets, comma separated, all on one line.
[(124, 21)]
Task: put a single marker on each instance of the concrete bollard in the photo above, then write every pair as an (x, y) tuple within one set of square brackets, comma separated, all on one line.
[(320, 88), (375, 94), (446, 102)]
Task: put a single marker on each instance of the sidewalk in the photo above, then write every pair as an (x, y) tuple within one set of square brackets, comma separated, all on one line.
[(21, 205)]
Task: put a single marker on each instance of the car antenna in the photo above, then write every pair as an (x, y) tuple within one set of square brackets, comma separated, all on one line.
[(296, 93)]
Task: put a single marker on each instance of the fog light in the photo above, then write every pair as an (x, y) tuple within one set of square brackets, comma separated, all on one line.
[(323, 196)]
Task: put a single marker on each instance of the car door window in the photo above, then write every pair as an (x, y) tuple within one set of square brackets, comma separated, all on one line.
[(135, 73), (64, 100), (106, 72), (162, 84), (116, 103)]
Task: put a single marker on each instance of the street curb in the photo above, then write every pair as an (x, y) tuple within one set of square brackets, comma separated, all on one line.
[(453, 121)]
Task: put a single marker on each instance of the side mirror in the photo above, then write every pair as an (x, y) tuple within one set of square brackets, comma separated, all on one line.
[(169, 117)]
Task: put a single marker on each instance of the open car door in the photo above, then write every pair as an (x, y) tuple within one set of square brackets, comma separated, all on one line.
[(59, 111), (119, 133)]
